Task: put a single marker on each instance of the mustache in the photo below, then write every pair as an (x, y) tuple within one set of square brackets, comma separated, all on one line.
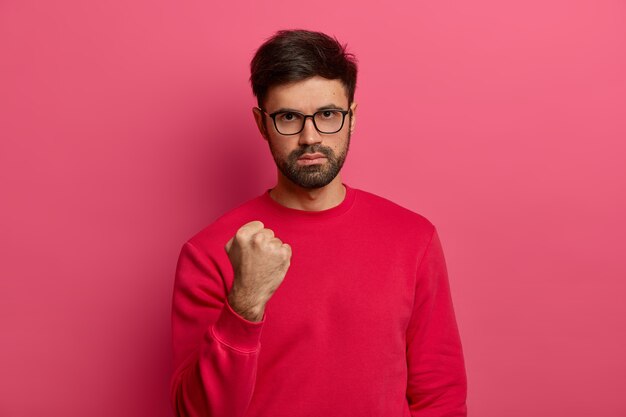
[(312, 149)]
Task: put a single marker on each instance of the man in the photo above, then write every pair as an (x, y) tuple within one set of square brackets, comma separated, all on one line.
[(314, 298)]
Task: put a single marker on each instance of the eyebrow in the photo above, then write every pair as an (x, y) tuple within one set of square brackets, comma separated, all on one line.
[(326, 107)]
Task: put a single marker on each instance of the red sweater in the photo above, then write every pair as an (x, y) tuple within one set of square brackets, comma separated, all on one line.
[(362, 324)]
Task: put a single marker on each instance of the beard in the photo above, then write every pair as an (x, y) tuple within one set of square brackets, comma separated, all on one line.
[(316, 175)]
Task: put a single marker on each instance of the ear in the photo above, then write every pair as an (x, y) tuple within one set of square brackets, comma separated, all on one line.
[(260, 122), (353, 118)]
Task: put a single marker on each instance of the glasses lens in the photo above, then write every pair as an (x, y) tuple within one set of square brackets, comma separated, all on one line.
[(329, 121), (288, 123)]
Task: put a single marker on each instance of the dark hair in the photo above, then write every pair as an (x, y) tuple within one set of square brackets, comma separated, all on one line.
[(295, 55)]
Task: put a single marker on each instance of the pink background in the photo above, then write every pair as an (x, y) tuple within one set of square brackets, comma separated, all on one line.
[(126, 127)]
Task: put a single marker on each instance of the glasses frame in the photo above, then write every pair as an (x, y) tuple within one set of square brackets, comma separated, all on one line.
[(305, 116)]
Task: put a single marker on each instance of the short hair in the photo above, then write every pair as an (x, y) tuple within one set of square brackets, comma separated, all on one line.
[(295, 55)]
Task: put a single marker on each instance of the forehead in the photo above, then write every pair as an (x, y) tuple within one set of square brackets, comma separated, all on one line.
[(306, 95)]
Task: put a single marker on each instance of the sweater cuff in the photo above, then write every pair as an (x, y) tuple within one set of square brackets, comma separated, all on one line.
[(235, 331)]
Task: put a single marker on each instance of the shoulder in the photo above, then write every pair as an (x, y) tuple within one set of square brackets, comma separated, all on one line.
[(390, 213), (400, 227)]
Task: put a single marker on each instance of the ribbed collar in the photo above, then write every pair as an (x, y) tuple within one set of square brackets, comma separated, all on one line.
[(284, 211)]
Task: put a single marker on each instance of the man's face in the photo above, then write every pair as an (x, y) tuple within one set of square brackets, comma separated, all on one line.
[(307, 97)]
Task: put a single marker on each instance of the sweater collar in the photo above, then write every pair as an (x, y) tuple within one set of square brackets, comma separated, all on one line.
[(335, 211)]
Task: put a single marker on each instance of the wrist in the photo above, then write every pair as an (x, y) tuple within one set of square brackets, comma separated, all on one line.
[(245, 308)]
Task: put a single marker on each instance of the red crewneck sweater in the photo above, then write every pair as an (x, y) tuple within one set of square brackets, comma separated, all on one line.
[(362, 325)]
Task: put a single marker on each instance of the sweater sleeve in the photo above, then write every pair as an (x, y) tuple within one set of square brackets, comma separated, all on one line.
[(437, 383), (215, 350)]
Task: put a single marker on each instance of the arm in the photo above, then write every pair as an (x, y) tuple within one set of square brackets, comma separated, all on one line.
[(437, 384), (215, 349)]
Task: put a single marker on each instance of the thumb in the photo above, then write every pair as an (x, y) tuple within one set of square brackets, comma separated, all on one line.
[(229, 244)]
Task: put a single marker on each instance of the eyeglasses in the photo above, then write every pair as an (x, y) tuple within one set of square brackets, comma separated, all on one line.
[(292, 122)]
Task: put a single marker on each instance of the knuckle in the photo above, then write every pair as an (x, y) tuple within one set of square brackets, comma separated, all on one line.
[(258, 238), (250, 228), (256, 224), (273, 244), (241, 235)]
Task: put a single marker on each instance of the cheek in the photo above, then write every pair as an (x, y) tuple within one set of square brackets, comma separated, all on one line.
[(280, 148)]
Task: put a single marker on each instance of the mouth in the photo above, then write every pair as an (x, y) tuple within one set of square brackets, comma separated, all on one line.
[(312, 159), (312, 156)]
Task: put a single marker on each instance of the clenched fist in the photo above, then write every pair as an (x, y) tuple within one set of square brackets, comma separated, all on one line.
[(260, 261)]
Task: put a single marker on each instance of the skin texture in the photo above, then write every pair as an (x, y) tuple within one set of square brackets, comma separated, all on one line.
[(307, 96), (260, 259)]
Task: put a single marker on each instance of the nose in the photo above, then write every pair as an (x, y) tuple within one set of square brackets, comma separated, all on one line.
[(309, 133)]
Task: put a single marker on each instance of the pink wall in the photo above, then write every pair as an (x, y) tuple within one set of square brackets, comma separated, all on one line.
[(126, 127)]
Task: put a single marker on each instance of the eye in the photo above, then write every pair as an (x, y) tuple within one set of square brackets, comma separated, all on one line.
[(329, 114), (288, 117)]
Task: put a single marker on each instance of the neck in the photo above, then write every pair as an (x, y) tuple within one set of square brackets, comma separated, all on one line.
[(293, 196)]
